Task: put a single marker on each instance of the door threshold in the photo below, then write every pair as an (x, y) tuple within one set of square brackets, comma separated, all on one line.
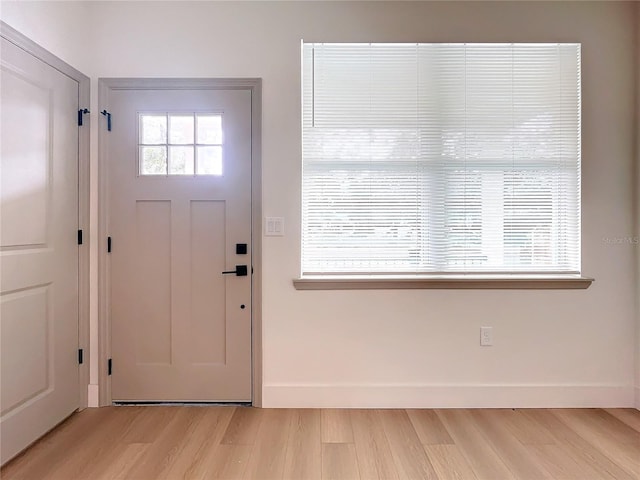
[(181, 404)]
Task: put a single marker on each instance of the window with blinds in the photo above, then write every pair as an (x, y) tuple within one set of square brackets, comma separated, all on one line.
[(441, 158)]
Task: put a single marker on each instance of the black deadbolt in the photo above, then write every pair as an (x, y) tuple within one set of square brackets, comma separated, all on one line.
[(241, 248)]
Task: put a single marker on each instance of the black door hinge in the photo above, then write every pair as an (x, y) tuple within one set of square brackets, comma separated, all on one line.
[(108, 244), (108, 115), (80, 356), (79, 237), (82, 112), (109, 366)]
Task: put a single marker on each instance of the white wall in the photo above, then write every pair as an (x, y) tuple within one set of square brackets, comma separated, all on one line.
[(60, 27), (413, 348)]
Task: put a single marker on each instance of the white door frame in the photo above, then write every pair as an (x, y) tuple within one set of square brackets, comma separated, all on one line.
[(105, 86), (35, 50)]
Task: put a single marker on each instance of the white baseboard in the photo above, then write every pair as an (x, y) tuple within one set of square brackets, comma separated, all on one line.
[(449, 396), (637, 405)]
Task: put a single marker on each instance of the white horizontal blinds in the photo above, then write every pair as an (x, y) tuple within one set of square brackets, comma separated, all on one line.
[(441, 158)]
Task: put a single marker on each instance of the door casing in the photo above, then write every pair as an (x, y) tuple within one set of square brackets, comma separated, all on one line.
[(105, 85), (32, 48)]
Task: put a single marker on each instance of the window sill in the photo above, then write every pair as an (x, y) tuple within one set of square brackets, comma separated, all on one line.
[(468, 282)]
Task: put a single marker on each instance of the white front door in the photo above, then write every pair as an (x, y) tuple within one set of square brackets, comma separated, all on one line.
[(179, 176), (38, 248)]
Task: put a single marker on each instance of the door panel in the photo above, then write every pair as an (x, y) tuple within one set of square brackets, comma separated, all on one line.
[(25, 171), (181, 330), (152, 260), (38, 249), (207, 255)]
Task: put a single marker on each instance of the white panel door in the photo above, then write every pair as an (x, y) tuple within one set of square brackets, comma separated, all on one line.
[(38, 248), (179, 166)]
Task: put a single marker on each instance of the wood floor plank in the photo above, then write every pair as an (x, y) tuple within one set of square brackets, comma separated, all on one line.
[(50, 450), (269, 451), (304, 449), (484, 460), (514, 454), (526, 431), (243, 427), (125, 458), (169, 445), (619, 442), (597, 420), (339, 462), (449, 463), (629, 416), (375, 460), (97, 448), (429, 428), (227, 462), (150, 421), (410, 458), (584, 451), (202, 439), (336, 426), (106, 448), (562, 462)]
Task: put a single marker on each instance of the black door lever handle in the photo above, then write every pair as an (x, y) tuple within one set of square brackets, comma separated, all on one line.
[(240, 271)]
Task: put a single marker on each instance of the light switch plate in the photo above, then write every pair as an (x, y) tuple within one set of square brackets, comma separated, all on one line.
[(274, 226)]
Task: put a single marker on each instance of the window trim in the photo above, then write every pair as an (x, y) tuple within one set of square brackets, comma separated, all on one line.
[(460, 279)]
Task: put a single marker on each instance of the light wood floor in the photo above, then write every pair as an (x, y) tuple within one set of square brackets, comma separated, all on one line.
[(244, 443)]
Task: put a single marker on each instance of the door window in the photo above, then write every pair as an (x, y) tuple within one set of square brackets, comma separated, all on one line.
[(180, 144)]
